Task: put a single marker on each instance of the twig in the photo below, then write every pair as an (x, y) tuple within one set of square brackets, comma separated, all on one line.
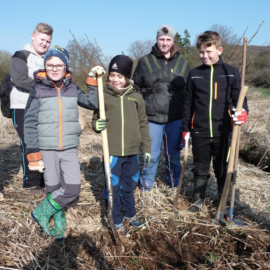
[(90, 59)]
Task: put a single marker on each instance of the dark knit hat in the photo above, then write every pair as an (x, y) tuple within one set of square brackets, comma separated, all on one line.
[(121, 64), (57, 52)]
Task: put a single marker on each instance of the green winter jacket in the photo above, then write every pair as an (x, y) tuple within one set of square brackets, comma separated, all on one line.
[(128, 128)]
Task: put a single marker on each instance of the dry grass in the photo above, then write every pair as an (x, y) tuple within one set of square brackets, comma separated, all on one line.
[(174, 238)]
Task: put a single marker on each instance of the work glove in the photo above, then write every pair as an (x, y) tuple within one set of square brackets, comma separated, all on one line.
[(35, 162), (186, 136), (101, 124), (93, 72), (239, 118), (146, 159)]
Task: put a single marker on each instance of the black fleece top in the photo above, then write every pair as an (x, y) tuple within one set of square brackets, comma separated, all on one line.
[(212, 91)]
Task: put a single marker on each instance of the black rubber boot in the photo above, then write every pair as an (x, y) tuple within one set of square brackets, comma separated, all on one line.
[(200, 184)]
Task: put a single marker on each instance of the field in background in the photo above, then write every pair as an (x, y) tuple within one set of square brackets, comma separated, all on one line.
[(173, 239)]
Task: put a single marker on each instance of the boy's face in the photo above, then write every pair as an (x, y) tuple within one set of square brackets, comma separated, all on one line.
[(40, 42), (117, 79), (164, 44), (210, 55), (55, 68)]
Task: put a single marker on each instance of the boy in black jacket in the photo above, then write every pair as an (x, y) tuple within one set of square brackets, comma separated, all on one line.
[(212, 92)]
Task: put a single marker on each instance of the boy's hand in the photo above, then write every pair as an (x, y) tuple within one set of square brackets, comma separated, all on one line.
[(35, 162), (239, 118), (93, 71), (101, 124), (186, 136), (146, 159)]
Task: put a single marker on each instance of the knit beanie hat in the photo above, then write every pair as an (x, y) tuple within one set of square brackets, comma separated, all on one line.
[(57, 52), (121, 64), (166, 30)]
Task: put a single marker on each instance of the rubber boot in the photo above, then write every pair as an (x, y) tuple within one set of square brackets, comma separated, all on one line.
[(200, 184), (42, 214), (60, 225)]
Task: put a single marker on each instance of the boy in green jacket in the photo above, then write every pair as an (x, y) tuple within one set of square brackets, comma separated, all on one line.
[(128, 131)]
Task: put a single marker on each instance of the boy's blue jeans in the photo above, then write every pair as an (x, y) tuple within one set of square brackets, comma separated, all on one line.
[(125, 176), (157, 133)]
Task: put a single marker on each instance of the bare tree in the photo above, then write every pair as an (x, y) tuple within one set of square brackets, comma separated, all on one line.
[(139, 48), (226, 33)]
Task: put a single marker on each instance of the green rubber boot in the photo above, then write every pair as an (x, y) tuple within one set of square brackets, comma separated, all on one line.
[(42, 214), (60, 225)]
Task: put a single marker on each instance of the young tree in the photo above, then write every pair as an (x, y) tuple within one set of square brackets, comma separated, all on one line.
[(183, 43), (139, 48)]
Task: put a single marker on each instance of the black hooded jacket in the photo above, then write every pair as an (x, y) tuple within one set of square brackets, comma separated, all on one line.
[(212, 91), (162, 83)]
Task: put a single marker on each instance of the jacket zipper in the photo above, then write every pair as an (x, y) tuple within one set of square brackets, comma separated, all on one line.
[(211, 102), (122, 118), (60, 116)]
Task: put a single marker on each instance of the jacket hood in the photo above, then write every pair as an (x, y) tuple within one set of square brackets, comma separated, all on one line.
[(28, 47), (41, 76), (155, 51)]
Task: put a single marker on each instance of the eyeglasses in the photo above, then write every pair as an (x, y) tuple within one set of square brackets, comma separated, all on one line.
[(58, 67)]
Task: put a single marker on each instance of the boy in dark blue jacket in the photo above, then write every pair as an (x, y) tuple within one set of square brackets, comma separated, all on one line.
[(213, 90)]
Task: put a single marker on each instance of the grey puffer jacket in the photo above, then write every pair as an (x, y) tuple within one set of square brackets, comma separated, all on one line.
[(162, 83), (51, 120)]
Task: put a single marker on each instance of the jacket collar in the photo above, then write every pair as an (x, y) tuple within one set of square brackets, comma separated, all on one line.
[(174, 50), (111, 90)]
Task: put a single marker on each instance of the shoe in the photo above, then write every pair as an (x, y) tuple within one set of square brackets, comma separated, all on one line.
[(60, 225), (135, 222), (122, 230), (196, 207), (42, 214)]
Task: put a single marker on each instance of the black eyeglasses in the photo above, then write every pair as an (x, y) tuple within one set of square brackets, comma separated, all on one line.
[(58, 67)]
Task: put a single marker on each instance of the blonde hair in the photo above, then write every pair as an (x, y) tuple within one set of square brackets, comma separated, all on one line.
[(44, 28), (209, 38)]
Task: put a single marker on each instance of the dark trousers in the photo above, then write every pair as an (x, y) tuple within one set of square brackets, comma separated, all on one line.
[(30, 178), (206, 148), (125, 177)]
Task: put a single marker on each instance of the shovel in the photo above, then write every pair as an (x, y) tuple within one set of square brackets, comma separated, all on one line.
[(105, 147), (219, 219)]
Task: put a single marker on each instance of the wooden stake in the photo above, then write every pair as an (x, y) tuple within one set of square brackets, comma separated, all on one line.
[(181, 176), (239, 131)]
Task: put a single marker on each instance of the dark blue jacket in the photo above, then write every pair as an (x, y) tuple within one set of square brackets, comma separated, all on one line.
[(212, 91)]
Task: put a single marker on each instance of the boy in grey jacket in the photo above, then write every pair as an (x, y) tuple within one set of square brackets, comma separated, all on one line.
[(22, 75), (52, 131)]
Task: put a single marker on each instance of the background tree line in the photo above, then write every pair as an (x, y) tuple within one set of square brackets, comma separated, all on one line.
[(84, 54)]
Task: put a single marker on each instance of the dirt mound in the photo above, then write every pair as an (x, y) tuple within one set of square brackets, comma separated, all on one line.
[(173, 238), (255, 136)]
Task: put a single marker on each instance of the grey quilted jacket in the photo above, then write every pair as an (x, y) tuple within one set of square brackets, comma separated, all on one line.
[(51, 120)]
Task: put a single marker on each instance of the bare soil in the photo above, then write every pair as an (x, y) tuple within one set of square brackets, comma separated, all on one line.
[(173, 239)]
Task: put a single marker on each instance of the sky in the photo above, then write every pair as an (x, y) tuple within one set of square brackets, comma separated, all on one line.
[(115, 24)]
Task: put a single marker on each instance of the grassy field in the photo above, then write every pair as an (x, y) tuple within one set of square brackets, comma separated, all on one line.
[(174, 237)]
